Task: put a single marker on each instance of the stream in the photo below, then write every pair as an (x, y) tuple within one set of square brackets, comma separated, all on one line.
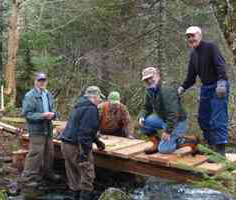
[(139, 188)]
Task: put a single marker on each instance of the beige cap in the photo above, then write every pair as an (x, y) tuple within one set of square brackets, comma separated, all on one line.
[(93, 91), (148, 73)]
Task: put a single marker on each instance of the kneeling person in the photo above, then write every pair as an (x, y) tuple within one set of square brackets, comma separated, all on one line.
[(162, 110)]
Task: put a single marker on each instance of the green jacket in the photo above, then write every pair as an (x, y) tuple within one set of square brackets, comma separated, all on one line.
[(33, 109), (166, 104)]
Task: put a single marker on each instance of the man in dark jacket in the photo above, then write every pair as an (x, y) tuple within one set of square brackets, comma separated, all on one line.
[(207, 62), (77, 139), (39, 111), (162, 110)]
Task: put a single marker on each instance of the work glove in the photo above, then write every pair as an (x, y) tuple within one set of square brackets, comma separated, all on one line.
[(141, 121), (221, 88), (180, 90), (100, 144)]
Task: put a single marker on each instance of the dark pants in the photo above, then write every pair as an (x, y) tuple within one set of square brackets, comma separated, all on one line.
[(39, 160), (213, 115), (80, 174)]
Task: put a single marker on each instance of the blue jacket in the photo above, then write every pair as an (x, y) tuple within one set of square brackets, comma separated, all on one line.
[(82, 125), (33, 109)]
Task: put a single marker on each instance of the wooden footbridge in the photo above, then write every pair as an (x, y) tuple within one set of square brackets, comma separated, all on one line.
[(127, 155)]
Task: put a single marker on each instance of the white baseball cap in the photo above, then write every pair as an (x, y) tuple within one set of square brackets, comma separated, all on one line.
[(148, 73), (193, 30)]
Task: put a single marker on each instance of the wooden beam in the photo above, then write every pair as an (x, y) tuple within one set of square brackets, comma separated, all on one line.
[(10, 128), (144, 169)]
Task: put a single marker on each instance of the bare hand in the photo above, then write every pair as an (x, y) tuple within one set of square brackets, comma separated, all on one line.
[(48, 115), (165, 136), (131, 136)]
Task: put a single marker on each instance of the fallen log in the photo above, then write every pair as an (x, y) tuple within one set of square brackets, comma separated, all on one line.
[(10, 129)]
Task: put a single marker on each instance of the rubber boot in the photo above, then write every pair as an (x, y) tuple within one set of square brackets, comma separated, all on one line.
[(154, 148), (220, 148), (85, 195)]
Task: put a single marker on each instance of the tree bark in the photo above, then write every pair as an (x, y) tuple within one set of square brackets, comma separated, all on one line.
[(1, 40), (161, 38), (10, 71)]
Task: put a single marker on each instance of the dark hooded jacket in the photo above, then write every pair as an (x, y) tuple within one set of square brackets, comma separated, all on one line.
[(82, 125)]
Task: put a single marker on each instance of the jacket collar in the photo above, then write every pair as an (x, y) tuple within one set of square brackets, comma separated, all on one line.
[(38, 92)]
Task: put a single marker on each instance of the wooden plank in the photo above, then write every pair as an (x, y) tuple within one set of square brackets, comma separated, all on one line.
[(188, 161), (142, 157), (122, 145), (131, 150), (110, 142), (183, 151), (231, 157), (13, 119), (10, 128), (22, 120), (59, 123), (163, 158), (157, 158), (211, 168), (115, 143)]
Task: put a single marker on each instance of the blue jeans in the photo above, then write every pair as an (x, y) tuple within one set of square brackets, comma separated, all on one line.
[(153, 123), (213, 115)]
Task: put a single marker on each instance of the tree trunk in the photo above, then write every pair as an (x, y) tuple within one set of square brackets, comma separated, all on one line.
[(161, 38), (1, 40), (12, 54)]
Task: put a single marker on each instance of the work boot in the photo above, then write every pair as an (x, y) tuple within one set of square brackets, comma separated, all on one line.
[(31, 184), (220, 149), (188, 140), (53, 178), (154, 148), (85, 195)]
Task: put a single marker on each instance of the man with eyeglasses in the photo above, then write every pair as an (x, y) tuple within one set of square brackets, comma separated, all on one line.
[(162, 112), (38, 110), (207, 62)]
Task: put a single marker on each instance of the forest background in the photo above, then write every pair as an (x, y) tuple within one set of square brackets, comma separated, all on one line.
[(107, 43)]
